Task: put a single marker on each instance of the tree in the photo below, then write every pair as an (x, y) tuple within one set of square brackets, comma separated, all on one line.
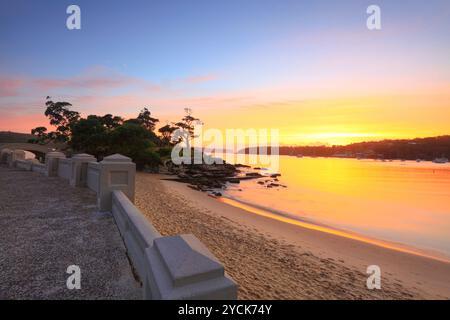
[(187, 126), (111, 122), (61, 117), (90, 135), (135, 142), (103, 135), (166, 133), (41, 134), (145, 119)]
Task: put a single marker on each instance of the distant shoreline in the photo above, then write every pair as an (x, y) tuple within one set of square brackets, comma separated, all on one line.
[(427, 149)]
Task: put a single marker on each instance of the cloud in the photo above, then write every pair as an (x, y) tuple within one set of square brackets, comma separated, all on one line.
[(10, 87), (200, 78), (93, 79)]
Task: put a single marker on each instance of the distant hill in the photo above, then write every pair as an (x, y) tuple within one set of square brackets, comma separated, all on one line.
[(14, 137), (7, 137), (408, 149)]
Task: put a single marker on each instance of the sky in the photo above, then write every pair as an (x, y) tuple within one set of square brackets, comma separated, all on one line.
[(311, 69)]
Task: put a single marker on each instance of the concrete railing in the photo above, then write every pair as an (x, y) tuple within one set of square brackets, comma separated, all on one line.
[(137, 232), (175, 267), (93, 176), (24, 164), (4, 154), (38, 167), (10, 157), (64, 168)]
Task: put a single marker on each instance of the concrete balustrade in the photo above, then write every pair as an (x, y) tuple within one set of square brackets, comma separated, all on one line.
[(182, 268), (64, 168), (51, 162), (175, 267), (14, 156), (93, 176), (24, 164), (117, 172), (79, 167), (38, 167), (137, 232), (4, 154)]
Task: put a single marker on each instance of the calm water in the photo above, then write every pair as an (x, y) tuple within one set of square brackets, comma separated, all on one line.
[(402, 202)]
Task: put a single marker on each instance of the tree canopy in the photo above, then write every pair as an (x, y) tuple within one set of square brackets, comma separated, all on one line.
[(109, 134)]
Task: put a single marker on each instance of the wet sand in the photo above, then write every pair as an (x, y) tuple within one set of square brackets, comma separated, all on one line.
[(271, 259)]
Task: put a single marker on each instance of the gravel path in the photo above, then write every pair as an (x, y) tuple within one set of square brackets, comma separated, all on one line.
[(46, 226)]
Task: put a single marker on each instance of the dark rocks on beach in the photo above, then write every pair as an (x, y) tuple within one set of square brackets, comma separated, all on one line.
[(253, 174), (241, 166), (213, 177), (204, 177), (274, 184), (275, 175)]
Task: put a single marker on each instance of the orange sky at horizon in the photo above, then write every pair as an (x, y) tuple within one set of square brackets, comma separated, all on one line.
[(342, 121), (328, 121)]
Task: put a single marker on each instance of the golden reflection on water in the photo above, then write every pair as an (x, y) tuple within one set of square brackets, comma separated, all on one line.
[(403, 202)]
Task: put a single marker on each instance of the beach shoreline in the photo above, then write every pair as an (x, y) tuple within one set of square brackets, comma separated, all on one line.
[(316, 225), (273, 259)]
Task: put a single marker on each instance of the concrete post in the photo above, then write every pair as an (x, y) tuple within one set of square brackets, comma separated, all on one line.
[(15, 155), (182, 268), (117, 172), (4, 155), (51, 163), (78, 175)]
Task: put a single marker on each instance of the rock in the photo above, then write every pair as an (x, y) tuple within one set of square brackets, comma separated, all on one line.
[(275, 175), (274, 184), (241, 166), (253, 174), (205, 177)]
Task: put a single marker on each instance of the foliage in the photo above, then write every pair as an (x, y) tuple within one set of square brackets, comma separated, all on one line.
[(62, 118), (144, 118), (90, 135), (186, 134), (166, 134), (109, 134), (187, 122), (135, 142), (165, 152)]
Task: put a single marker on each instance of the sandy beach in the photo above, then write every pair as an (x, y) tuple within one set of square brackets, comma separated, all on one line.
[(271, 259)]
